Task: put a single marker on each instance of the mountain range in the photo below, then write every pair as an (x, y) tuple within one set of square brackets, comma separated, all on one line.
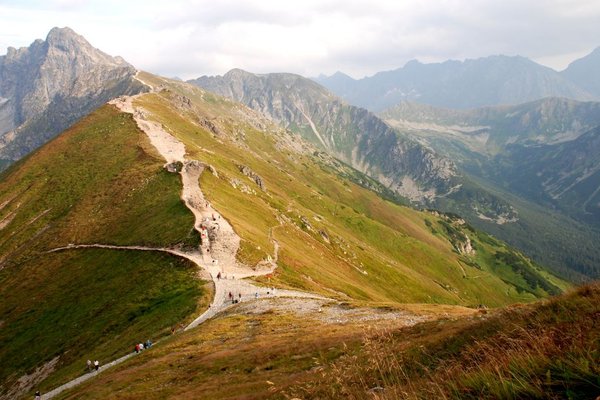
[(487, 81), (47, 86), (269, 239), (429, 178)]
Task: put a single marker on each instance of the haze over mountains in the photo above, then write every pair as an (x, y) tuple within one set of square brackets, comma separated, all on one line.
[(541, 151), (487, 81)]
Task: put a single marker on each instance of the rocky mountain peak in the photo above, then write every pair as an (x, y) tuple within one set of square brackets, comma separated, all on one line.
[(237, 73), (64, 35), (65, 74)]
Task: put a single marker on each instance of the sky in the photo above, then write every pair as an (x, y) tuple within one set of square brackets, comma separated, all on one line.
[(190, 38)]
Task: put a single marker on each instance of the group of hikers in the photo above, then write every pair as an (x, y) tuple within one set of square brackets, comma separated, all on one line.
[(233, 299), (141, 346), (95, 365)]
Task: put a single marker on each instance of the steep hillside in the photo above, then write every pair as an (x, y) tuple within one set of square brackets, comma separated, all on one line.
[(566, 175), (99, 182), (585, 72), (314, 209), (540, 157), (481, 82), (49, 85), (362, 140), (352, 134), (291, 204), (489, 130)]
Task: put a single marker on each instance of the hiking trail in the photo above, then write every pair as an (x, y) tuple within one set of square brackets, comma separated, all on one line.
[(220, 243)]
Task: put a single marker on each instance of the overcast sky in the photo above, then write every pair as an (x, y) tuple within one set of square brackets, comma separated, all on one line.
[(189, 38)]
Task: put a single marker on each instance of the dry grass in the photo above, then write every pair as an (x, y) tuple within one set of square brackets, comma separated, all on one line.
[(547, 351)]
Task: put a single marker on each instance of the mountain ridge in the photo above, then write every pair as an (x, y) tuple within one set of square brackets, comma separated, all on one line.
[(542, 151), (584, 72), (346, 131)]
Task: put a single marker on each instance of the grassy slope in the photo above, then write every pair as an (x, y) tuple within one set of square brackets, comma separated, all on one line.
[(235, 357), (377, 251), (552, 237), (101, 181), (546, 350)]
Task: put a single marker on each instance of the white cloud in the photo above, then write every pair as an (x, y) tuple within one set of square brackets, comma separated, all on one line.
[(189, 38)]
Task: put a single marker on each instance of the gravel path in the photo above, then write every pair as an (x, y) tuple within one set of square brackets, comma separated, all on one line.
[(220, 243)]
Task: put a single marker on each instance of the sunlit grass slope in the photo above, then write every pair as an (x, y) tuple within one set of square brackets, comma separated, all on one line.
[(549, 350), (239, 355), (99, 182), (336, 238)]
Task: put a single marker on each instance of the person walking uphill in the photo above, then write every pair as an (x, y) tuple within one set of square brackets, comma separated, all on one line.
[(96, 365)]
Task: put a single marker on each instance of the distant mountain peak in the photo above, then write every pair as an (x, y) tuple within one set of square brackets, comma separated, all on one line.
[(57, 33), (486, 81), (237, 72), (585, 72)]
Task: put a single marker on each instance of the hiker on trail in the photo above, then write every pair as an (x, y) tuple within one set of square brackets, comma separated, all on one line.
[(240, 296), (38, 395), (137, 348), (256, 295), (230, 295), (89, 365), (96, 365), (219, 275), (148, 344), (141, 346)]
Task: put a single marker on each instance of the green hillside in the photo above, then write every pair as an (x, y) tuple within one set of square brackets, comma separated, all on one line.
[(334, 236), (538, 160), (99, 182), (102, 182)]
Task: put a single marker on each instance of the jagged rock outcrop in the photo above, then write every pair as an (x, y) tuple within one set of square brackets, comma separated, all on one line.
[(253, 175), (47, 86)]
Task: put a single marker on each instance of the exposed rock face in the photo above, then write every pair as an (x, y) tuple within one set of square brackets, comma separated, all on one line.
[(546, 151), (490, 130), (352, 134), (47, 86)]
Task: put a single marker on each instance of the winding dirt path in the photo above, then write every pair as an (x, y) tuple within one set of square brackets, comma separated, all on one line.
[(220, 243)]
